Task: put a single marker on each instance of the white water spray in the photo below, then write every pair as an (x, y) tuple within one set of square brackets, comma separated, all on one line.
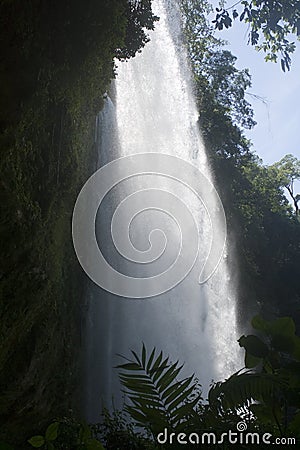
[(155, 111)]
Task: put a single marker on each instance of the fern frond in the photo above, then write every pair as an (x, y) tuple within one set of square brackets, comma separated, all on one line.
[(157, 398)]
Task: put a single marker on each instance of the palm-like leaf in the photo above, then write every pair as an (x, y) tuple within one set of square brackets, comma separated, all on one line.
[(157, 398), (242, 389)]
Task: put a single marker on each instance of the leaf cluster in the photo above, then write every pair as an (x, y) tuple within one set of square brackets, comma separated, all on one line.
[(270, 23), (266, 393), (220, 86), (117, 430), (157, 399), (67, 434), (288, 171), (269, 388), (139, 19)]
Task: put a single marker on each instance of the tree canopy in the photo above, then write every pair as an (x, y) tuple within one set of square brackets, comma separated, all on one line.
[(288, 171), (270, 25), (264, 229)]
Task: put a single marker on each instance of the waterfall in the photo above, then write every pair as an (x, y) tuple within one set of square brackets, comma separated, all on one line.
[(154, 111)]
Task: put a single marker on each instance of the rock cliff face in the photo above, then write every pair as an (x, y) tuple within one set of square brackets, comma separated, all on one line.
[(58, 60)]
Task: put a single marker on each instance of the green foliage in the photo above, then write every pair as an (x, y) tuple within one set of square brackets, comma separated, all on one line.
[(115, 430), (57, 62), (262, 228), (270, 389), (51, 432), (139, 18), (220, 85), (47, 440), (54, 45), (118, 431), (67, 434), (282, 337), (37, 441), (270, 24), (157, 398), (267, 396), (241, 389), (288, 171), (254, 345), (267, 231)]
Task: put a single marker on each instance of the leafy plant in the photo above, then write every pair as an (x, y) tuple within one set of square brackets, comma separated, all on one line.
[(45, 441), (67, 434), (270, 386), (266, 391), (288, 171), (270, 25), (157, 399), (117, 431)]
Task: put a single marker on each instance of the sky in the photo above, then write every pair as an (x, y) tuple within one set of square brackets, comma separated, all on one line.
[(278, 117)]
